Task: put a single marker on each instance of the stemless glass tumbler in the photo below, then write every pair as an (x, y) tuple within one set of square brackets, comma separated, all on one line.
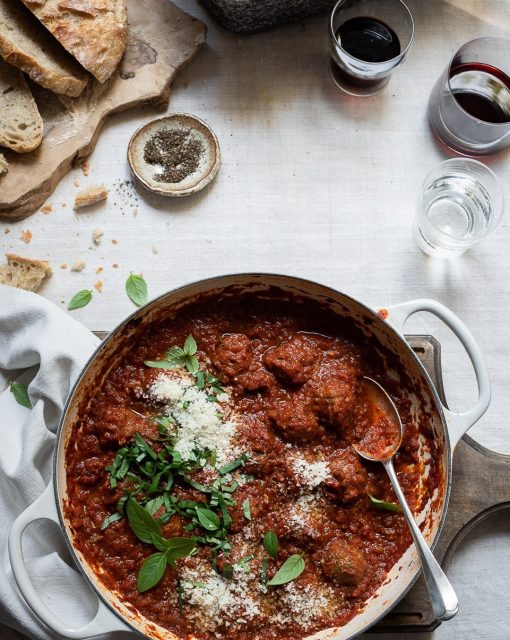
[(368, 40), (469, 107), (460, 203)]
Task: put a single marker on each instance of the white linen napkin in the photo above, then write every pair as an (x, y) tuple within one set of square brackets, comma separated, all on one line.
[(45, 348)]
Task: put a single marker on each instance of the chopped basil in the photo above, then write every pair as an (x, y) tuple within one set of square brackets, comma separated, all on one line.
[(270, 543), (291, 569), (227, 570), (20, 393), (263, 575), (80, 299), (231, 466), (110, 519), (246, 509), (381, 504), (136, 288)]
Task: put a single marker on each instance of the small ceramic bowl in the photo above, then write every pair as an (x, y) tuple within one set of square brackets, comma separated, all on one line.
[(148, 173)]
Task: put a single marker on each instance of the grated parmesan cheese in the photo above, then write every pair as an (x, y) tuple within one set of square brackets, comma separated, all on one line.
[(201, 423), (302, 604), (219, 601), (310, 474)]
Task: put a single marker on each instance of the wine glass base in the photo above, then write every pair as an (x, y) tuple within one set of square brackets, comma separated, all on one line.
[(354, 87)]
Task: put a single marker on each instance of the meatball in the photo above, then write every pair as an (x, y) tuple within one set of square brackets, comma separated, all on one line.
[(256, 378), (118, 424), (334, 389), (88, 471), (292, 361), (342, 562), (232, 356), (349, 479), (295, 421), (258, 497)]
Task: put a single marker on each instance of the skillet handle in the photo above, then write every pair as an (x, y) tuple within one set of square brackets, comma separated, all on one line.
[(458, 423), (44, 508)]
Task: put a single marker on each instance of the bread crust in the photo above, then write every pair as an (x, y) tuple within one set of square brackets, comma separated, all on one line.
[(70, 80), (93, 31)]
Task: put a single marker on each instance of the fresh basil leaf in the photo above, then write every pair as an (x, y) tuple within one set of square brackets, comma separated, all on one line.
[(136, 288), (159, 542), (381, 504), (80, 299), (270, 542), (20, 393), (141, 522), (160, 364), (291, 569), (153, 505), (109, 520), (246, 509), (228, 570), (151, 572), (208, 519), (192, 364), (190, 346), (179, 547)]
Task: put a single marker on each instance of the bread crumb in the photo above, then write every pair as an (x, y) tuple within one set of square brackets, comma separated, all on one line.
[(115, 265), (90, 196), (99, 269), (98, 286), (78, 265), (85, 167), (135, 211), (48, 208), (63, 205), (76, 182), (24, 273), (4, 165), (115, 242), (7, 230), (155, 250), (26, 236), (63, 265), (97, 236)]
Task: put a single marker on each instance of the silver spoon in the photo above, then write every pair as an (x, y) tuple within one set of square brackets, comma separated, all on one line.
[(443, 598)]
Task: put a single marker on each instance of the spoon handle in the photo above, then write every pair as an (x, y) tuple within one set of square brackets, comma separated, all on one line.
[(443, 598)]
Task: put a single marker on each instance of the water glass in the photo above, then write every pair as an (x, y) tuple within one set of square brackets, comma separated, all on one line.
[(460, 203), (379, 39), (469, 107)]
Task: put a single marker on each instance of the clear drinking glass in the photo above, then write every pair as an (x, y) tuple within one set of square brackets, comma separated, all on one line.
[(460, 203), (469, 107), (377, 35)]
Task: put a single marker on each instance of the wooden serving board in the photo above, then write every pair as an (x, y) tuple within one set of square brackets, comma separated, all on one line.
[(161, 40), (480, 487)]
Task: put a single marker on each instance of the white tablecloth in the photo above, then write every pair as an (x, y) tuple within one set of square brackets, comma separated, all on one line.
[(316, 184)]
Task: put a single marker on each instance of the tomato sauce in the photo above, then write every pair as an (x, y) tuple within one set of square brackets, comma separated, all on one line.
[(293, 375)]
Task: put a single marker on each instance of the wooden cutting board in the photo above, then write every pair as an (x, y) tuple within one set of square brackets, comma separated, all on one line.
[(161, 40)]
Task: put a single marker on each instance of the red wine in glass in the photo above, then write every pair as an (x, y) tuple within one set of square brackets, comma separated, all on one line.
[(482, 90), (368, 39)]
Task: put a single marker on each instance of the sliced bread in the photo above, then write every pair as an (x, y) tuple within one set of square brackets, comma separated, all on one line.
[(21, 125), (26, 44), (24, 273), (4, 165), (93, 31)]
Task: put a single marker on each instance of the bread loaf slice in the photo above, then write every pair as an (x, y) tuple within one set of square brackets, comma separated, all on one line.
[(21, 125), (26, 44), (24, 273), (93, 31)]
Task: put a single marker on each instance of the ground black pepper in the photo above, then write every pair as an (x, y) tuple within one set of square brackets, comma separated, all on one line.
[(177, 151)]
